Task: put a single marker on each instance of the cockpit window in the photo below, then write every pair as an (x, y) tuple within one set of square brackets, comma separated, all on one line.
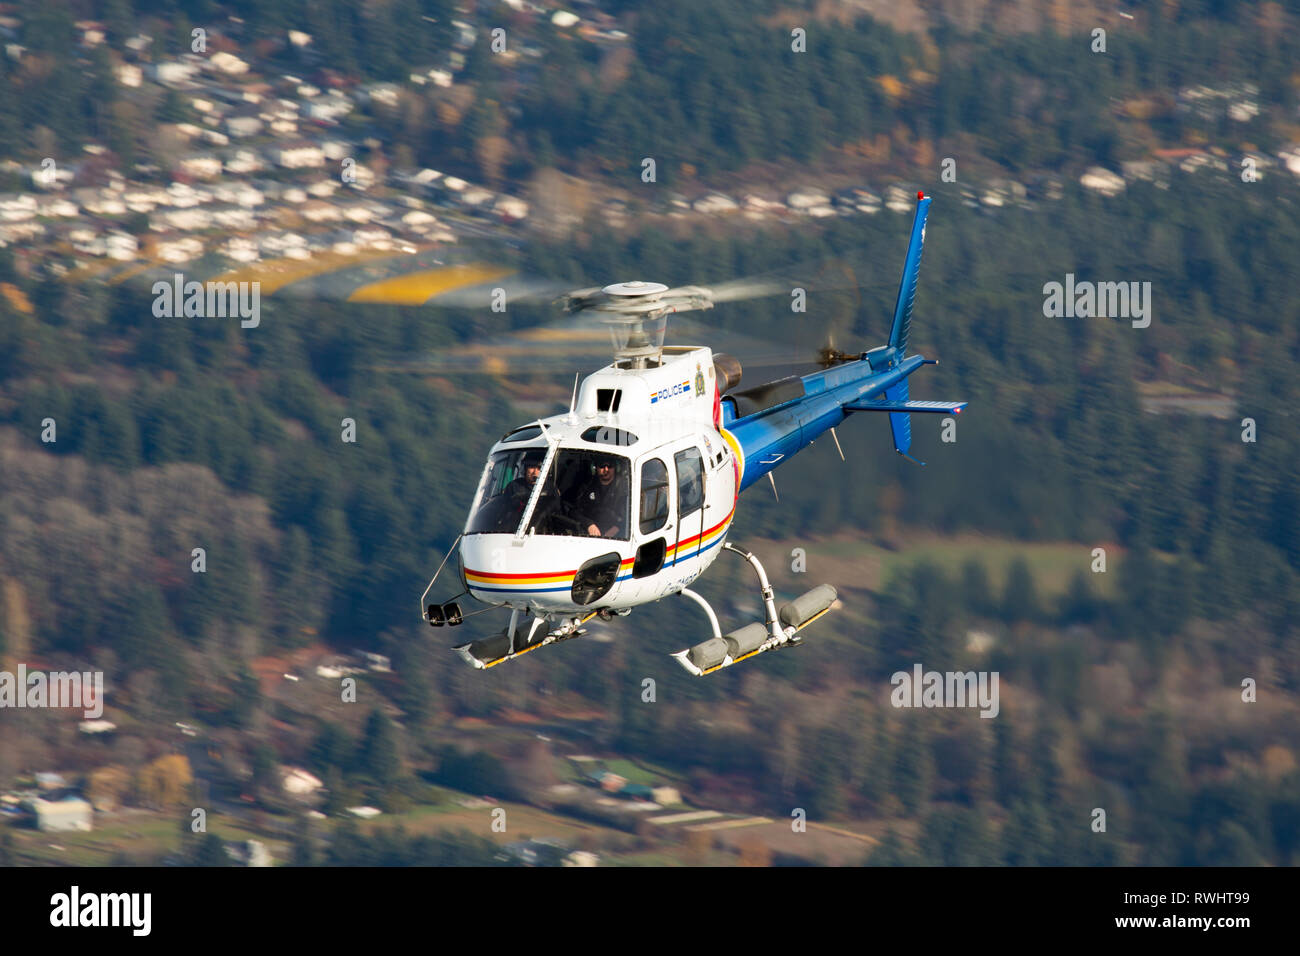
[(511, 476), (527, 433), (585, 494), (604, 435)]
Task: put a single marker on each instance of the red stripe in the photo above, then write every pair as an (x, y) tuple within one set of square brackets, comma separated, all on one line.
[(624, 563), (534, 574), (687, 542)]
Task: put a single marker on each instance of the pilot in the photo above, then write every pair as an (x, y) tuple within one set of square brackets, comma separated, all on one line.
[(522, 487), (603, 503)]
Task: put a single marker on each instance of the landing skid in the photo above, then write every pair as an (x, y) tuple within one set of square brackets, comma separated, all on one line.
[(780, 630), (511, 643)]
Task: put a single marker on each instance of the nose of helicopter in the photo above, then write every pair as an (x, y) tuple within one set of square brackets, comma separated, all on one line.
[(548, 572)]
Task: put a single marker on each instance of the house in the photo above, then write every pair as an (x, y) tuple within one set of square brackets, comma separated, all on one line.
[(56, 207), (298, 781), (97, 726), (185, 220), (179, 250), (323, 188), (242, 161), (898, 199), (544, 851), (200, 166), (171, 72), (416, 218), (372, 237), (17, 207), (379, 663), (1291, 159), (121, 247), (233, 217), (249, 853), (243, 125), (317, 210), (239, 249), (666, 796), (858, 199), (299, 154), (227, 63), (758, 205), (92, 32), (1148, 170), (476, 196), (1101, 180), (511, 208), (337, 149), (130, 75), (806, 199), (57, 816), (715, 203), (329, 108), (385, 94)]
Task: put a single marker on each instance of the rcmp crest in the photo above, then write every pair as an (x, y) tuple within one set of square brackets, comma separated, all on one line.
[(699, 379)]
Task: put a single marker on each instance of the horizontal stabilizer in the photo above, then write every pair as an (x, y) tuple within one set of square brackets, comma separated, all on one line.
[(943, 408)]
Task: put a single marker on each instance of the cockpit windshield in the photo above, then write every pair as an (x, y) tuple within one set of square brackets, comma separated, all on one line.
[(583, 493), (507, 486)]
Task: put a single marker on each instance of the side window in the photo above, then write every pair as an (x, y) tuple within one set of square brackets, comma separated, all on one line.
[(654, 495), (690, 481)]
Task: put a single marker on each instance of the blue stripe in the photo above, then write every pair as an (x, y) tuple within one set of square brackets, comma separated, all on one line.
[(716, 541)]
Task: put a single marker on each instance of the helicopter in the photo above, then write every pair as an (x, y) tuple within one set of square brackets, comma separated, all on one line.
[(628, 497)]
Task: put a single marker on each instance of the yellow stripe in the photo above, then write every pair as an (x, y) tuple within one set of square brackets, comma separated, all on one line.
[(696, 545), (275, 274), (735, 450), (488, 578), (417, 288)]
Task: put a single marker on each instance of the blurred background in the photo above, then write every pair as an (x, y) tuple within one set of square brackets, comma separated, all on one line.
[(318, 147)]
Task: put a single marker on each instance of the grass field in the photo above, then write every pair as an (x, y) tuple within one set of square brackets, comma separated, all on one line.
[(140, 834), (521, 822), (854, 562)]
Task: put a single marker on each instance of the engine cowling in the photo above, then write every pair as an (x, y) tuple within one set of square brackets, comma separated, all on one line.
[(728, 370)]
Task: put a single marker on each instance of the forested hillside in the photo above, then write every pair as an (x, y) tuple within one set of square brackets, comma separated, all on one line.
[(129, 440)]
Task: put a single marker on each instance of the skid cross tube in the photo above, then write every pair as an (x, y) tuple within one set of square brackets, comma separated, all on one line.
[(769, 598), (699, 599)]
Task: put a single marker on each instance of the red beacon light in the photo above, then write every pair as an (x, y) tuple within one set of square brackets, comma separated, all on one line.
[(919, 194)]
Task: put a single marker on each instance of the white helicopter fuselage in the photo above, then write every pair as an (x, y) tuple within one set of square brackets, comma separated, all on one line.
[(677, 468)]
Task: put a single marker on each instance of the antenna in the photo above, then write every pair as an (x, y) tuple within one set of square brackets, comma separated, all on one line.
[(573, 402)]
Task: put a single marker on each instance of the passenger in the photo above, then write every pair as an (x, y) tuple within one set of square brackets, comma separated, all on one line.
[(522, 487), (603, 503)]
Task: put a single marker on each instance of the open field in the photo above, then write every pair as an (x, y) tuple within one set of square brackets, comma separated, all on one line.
[(855, 562), (522, 822), (138, 833)]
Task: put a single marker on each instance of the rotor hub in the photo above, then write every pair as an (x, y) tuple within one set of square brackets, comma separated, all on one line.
[(635, 288)]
